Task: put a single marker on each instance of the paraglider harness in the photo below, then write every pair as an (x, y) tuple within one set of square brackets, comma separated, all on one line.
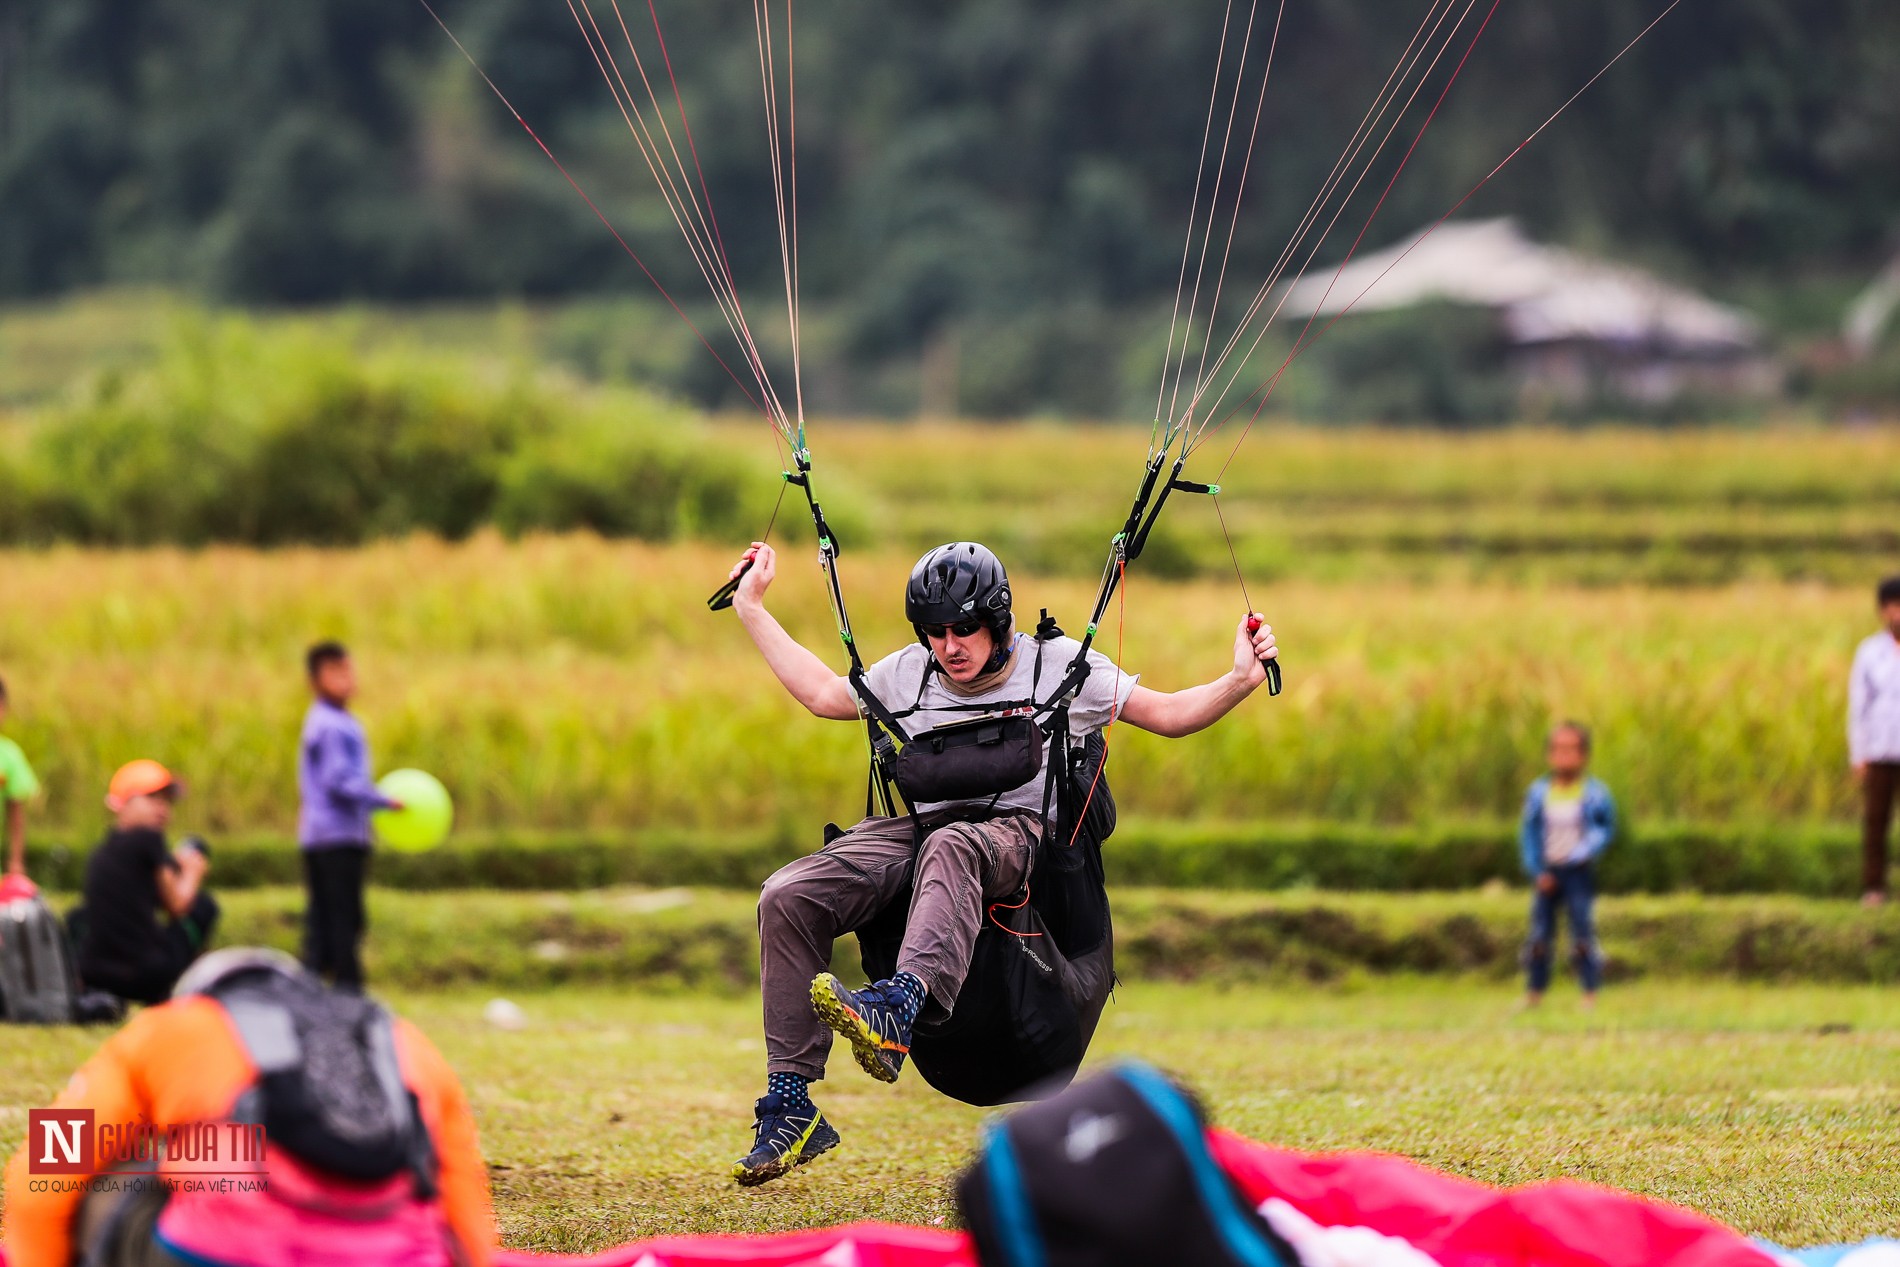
[(1042, 967)]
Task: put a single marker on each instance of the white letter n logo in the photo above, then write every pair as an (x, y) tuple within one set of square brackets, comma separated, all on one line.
[(67, 1135), (59, 1141)]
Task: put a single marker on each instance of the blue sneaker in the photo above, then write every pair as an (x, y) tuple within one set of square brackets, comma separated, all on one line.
[(782, 1141), (875, 1019)]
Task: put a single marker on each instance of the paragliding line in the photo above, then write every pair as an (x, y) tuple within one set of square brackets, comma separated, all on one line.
[(1401, 72), (1121, 633), (1365, 228), (686, 125), (684, 205), (1267, 388), (1194, 214), (1213, 202), (598, 213), (1233, 225)]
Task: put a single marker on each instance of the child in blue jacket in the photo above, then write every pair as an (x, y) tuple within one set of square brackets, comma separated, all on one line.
[(1568, 821)]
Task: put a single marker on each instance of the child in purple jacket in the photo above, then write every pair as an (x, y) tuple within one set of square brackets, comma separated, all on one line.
[(333, 781)]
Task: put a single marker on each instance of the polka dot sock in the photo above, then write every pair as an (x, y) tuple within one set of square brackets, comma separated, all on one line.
[(912, 989), (792, 1089)]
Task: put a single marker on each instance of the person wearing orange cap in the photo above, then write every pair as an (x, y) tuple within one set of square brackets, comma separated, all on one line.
[(124, 948)]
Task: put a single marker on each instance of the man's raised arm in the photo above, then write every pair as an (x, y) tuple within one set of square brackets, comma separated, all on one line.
[(1173, 714), (808, 679)]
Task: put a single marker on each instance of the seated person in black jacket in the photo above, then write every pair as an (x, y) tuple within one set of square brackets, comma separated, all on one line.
[(124, 948)]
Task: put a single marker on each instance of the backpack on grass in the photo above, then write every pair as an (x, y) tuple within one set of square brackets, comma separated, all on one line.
[(351, 1172), (37, 982)]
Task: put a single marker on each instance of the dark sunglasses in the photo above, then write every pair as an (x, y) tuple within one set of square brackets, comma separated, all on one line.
[(965, 630)]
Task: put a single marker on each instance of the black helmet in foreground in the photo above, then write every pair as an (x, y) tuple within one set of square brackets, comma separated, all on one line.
[(955, 584)]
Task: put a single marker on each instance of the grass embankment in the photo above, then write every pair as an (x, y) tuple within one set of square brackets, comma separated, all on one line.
[(568, 683), (1813, 861), (615, 1116), (706, 940)]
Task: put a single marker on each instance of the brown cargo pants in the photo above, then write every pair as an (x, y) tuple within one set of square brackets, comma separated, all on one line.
[(807, 905)]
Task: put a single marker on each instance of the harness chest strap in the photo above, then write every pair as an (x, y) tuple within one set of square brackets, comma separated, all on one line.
[(892, 721), (888, 729)]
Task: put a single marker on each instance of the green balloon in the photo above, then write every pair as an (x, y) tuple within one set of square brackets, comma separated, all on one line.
[(426, 814)]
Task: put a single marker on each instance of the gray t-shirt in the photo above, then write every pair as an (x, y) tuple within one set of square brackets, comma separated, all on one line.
[(898, 677)]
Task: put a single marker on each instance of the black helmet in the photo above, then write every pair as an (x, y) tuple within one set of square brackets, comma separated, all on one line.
[(958, 582)]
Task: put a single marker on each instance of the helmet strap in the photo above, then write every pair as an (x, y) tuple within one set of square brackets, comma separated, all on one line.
[(1005, 647)]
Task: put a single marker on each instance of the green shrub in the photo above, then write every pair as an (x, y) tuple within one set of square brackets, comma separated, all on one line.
[(277, 434), (145, 460), (1441, 363), (605, 477), (16, 499)]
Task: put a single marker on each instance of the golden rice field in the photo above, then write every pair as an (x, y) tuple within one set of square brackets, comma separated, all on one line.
[(1600, 507), (568, 681)]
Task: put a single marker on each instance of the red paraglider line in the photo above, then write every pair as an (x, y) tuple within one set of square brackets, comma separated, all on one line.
[(682, 202), (1011, 906), (691, 146), (1121, 635), (598, 213), (1266, 390), (1471, 193)]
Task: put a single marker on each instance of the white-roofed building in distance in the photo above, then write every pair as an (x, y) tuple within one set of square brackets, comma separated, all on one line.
[(1579, 329)]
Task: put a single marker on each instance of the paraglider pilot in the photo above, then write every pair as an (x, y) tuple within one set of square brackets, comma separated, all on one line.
[(957, 858)]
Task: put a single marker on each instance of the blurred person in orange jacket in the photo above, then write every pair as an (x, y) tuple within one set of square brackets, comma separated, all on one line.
[(366, 1154)]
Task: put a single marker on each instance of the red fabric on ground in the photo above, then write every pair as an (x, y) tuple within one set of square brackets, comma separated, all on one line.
[(1466, 1224), (1455, 1221)]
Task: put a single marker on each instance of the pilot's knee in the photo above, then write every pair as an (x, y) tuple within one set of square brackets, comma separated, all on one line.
[(781, 894)]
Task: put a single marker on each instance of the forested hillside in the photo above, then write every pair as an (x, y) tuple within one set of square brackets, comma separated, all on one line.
[(1013, 174)]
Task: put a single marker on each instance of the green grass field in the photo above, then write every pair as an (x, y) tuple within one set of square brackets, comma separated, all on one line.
[(614, 1115)]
